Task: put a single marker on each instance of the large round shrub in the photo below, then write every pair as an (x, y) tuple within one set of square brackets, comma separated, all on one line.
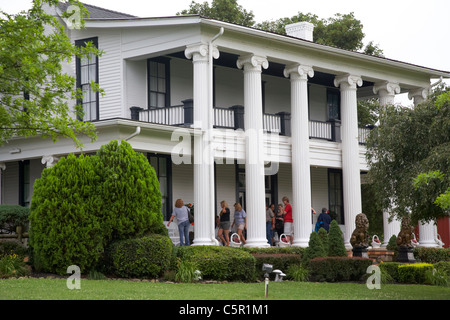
[(130, 194), (146, 257), (83, 203), (65, 228)]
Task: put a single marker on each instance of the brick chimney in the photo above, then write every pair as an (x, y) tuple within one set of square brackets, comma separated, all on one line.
[(303, 30)]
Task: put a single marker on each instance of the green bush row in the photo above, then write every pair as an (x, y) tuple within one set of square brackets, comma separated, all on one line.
[(418, 273), (432, 255), (333, 269)]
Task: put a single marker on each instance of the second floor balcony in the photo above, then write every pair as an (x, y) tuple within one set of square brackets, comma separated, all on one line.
[(233, 118)]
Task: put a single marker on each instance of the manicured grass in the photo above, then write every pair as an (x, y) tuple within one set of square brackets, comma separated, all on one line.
[(56, 289)]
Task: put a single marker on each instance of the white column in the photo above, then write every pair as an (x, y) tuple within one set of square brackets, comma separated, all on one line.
[(254, 152), (301, 175), (428, 234), (418, 95), (203, 195), (49, 160), (350, 151), (386, 92)]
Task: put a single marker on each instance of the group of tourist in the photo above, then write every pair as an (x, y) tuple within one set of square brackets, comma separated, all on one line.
[(279, 221)]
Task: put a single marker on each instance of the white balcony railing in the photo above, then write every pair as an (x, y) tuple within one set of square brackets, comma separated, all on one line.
[(231, 118)]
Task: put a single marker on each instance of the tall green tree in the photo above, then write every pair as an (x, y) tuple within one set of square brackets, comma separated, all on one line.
[(35, 92), (409, 158)]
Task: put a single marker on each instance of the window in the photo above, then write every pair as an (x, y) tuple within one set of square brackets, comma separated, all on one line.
[(333, 104), (158, 82), (87, 72), (335, 195), (24, 183), (162, 165)]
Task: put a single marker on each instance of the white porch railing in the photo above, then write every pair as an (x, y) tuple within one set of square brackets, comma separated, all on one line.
[(223, 118), (227, 117), (320, 130), (169, 116), (272, 123)]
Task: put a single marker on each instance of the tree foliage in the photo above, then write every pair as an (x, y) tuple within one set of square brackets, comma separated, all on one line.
[(342, 30), (225, 10), (34, 89), (404, 151), (83, 203)]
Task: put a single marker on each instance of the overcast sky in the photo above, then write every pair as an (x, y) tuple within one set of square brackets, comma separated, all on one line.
[(414, 31)]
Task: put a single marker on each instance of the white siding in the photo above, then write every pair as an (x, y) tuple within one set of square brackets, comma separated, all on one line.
[(110, 76)]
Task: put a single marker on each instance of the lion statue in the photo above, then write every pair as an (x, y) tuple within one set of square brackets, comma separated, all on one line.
[(360, 237), (406, 233)]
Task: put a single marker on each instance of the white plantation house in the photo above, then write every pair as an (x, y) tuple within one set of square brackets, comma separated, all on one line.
[(226, 112)]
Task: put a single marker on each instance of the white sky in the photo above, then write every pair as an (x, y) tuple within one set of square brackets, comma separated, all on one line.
[(414, 31)]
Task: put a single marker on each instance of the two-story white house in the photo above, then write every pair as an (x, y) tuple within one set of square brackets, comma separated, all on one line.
[(226, 112)]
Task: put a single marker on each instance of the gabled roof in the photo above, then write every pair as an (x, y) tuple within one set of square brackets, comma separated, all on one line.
[(97, 12)]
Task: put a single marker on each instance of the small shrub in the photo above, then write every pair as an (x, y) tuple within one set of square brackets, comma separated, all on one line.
[(315, 248), (220, 263), (297, 272), (414, 273), (12, 216), (146, 257), (13, 266), (437, 277), (187, 272), (12, 247), (333, 269), (336, 246)]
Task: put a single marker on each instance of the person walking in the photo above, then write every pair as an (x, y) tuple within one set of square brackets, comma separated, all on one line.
[(224, 224), (181, 212), (240, 219)]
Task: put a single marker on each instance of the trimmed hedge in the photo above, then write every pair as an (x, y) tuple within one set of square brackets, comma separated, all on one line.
[(333, 269), (220, 263), (432, 255), (414, 273), (12, 216), (146, 257)]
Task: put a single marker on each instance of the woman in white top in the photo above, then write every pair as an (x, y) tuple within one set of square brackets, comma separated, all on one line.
[(181, 212)]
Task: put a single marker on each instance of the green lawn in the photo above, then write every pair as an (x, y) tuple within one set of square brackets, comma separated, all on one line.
[(56, 289)]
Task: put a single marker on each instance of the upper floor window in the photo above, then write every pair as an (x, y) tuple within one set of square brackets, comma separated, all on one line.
[(87, 72), (333, 104), (158, 71)]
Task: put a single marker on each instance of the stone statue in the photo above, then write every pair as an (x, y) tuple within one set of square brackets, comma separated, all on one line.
[(406, 233), (360, 237)]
